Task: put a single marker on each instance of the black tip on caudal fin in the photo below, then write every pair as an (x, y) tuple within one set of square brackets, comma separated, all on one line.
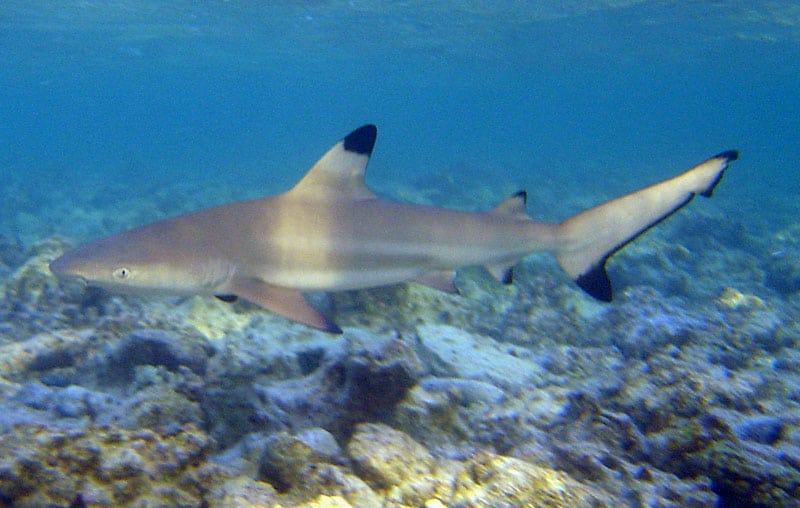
[(361, 140), (726, 157), (596, 283)]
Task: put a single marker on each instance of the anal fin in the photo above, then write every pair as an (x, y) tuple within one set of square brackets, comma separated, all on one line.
[(289, 303)]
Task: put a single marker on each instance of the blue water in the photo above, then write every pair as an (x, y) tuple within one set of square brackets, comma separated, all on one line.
[(565, 100)]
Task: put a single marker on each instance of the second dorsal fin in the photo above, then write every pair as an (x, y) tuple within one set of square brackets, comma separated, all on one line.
[(513, 205)]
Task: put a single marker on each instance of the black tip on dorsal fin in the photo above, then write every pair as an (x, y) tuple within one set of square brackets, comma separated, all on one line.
[(596, 282), (523, 195), (361, 140)]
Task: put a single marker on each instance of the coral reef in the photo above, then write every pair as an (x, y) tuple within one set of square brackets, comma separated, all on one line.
[(526, 394), (105, 467), (392, 462)]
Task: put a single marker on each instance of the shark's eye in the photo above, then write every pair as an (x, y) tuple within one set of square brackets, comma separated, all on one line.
[(121, 273)]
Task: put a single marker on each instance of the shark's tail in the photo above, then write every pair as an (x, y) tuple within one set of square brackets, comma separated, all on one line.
[(586, 240)]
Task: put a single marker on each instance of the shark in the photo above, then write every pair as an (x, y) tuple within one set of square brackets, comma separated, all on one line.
[(330, 232)]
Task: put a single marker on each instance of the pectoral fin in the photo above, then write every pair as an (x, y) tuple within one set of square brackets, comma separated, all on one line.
[(289, 303)]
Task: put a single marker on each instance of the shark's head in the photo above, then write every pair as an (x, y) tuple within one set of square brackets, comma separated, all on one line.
[(97, 265), (129, 262)]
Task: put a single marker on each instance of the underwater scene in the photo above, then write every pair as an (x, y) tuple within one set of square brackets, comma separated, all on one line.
[(418, 332)]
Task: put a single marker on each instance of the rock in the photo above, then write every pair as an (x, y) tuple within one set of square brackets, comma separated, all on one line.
[(327, 483), (40, 352), (386, 457), (379, 371), (303, 472), (360, 378), (285, 456), (782, 268), (464, 391), (34, 300), (650, 325), (453, 415), (329, 502), (746, 475), (243, 492), (732, 298), (41, 467), (214, 319), (494, 481), (457, 353), (35, 395), (12, 252), (323, 444), (157, 406), (761, 429), (398, 467), (72, 402), (32, 282), (400, 308), (156, 347), (68, 402), (394, 464)]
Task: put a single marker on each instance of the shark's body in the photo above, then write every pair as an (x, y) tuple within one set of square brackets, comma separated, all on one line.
[(330, 232)]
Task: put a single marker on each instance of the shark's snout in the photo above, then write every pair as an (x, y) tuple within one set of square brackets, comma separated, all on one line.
[(65, 266), (58, 267)]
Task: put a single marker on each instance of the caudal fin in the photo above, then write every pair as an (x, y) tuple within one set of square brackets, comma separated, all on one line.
[(586, 241)]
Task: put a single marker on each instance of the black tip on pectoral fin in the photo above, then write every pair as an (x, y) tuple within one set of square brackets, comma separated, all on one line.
[(596, 283), (227, 298), (361, 140)]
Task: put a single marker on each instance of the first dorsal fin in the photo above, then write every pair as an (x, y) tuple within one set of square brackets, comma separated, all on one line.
[(340, 172)]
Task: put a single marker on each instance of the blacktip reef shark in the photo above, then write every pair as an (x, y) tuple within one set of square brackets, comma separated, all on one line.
[(330, 232)]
